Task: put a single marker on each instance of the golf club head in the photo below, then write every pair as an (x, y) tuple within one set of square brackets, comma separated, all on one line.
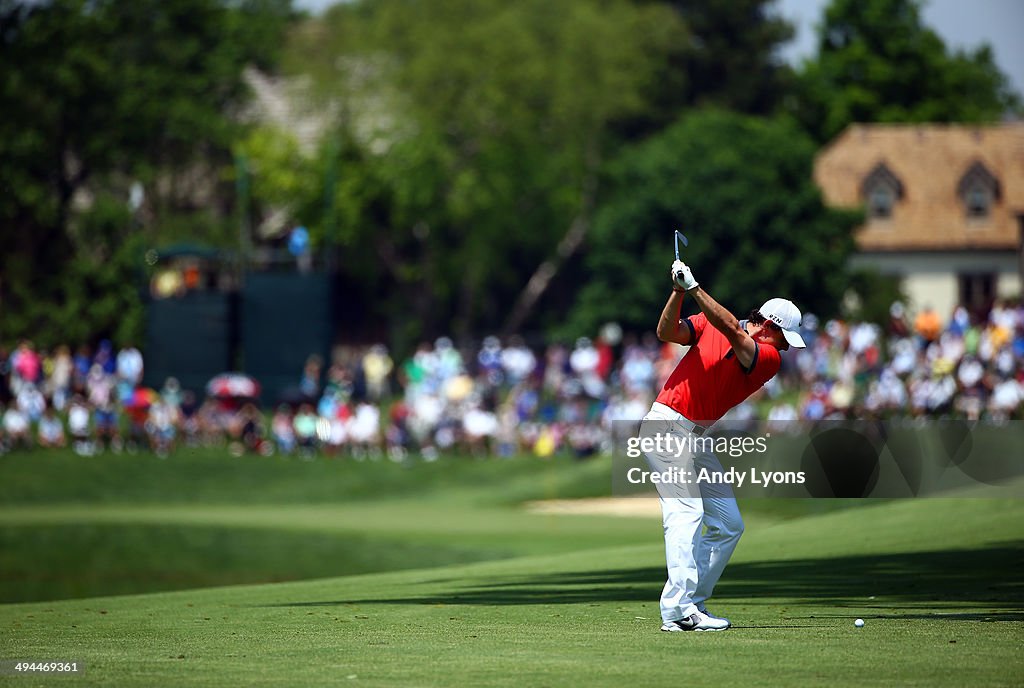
[(680, 236)]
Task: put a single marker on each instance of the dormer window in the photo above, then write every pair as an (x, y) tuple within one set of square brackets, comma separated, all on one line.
[(881, 190), (881, 201), (978, 191)]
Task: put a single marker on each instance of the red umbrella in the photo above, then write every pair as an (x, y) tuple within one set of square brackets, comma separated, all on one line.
[(233, 386)]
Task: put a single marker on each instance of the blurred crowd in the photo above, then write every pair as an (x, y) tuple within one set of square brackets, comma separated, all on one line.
[(965, 366), (500, 398)]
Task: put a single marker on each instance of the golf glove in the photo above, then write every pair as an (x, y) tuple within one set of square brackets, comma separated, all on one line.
[(682, 276)]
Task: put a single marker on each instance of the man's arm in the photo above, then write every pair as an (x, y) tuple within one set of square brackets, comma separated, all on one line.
[(726, 323), (670, 327)]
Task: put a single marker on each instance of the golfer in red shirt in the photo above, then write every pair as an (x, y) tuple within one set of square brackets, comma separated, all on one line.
[(728, 360)]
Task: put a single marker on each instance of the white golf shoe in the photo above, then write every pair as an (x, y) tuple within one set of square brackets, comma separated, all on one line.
[(698, 621), (704, 610)]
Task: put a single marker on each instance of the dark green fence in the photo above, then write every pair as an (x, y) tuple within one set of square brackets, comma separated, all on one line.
[(285, 317), (267, 331), (190, 337)]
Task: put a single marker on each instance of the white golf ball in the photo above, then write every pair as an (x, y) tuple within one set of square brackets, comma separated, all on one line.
[(859, 623)]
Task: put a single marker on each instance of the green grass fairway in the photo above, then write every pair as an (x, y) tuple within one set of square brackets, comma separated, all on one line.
[(549, 601)]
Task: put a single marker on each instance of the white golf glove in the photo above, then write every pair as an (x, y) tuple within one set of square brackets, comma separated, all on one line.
[(682, 276)]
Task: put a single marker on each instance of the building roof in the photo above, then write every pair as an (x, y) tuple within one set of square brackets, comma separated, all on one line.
[(930, 163)]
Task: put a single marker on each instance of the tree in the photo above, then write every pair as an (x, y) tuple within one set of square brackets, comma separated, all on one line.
[(726, 54), (481, 128), (741, 189), (878, 62), (98, 95)]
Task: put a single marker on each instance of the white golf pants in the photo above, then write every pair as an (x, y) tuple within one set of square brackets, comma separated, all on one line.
[(701, 533)]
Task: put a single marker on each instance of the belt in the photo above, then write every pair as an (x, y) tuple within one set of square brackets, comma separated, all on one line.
[(687, 424)]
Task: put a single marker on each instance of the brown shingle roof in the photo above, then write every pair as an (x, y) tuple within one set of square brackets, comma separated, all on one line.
[(929, 161)]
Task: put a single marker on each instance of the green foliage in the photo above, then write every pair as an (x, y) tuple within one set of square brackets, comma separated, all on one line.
[(725, 55), (471, 132), (873, 293), (280, 173), (96, 293), (95, 97), (878, 62), (741, 189), (464, 139)]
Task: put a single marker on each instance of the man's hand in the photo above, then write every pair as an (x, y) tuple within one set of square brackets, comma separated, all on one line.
[(682, 276)]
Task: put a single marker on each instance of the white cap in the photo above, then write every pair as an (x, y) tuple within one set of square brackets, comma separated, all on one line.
[(786, 315)]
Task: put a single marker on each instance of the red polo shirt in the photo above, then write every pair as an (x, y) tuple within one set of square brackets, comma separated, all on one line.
[(710, 379)]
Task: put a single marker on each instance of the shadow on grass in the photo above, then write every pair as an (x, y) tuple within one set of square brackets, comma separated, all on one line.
[(934, 616), (990, 577)]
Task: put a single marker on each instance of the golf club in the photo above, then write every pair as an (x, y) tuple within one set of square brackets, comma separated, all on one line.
[(680, 236)]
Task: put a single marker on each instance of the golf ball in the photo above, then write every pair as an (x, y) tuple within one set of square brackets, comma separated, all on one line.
[(859, 623)]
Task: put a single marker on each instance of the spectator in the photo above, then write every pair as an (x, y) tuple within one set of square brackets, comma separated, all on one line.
[(333, 422), (298, 246), (100, 388), (105, 358), (605, 358), (188, 413), (78, 425), (364, 430), (888, 395), (310, 382), (556, 366), (448, 361), (26, 366), (489, 364), (970, 379), (51, 430), (638, 370), (479, 426), (960, 321), (209, 423), (248, 432), (60, 381), (305, 430), (517, 361), (501, 400), (782, 417), (82, 362), (927, 326), (128, 365), (377, 367), (161, 427), (16, 428), (171, 393), (897, 320), (283, 430), (1007, 396), (31, 402), (584, 361)]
